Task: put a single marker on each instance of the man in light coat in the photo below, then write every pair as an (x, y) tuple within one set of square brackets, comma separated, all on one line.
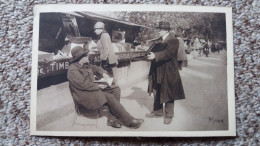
[(107, 55), (164, 78)]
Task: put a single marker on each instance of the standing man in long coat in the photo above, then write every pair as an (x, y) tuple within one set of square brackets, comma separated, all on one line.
[(107, 55), (164, 78)]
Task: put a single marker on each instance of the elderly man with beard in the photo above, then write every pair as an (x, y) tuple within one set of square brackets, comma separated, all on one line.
[(90, 96)]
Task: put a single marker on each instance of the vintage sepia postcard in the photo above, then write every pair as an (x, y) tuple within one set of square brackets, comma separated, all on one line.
[(132, 70)]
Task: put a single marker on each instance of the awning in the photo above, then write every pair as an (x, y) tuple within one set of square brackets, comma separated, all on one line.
[(101, 17)]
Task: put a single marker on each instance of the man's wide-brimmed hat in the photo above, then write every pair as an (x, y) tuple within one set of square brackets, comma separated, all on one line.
[(77, 52), (164, 25)]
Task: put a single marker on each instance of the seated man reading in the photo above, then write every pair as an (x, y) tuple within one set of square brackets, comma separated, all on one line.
[(90, 95)]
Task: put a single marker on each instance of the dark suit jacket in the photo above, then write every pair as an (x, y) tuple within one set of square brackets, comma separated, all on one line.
[(167, 73)]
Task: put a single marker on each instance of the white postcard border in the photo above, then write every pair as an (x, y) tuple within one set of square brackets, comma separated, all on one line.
[(133, 7)]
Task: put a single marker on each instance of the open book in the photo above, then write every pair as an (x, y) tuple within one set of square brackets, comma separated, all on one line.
[(105, 81)]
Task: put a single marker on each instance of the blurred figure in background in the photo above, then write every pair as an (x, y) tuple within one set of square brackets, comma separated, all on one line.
[(197, 46), (181, 57), (206, 49)]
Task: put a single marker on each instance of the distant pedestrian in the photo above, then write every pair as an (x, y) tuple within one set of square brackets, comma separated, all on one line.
[(181, 57), (218, 47), (206, 49), (197, 46)]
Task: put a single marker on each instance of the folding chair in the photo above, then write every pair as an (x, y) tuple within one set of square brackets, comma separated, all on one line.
[(81, 111)]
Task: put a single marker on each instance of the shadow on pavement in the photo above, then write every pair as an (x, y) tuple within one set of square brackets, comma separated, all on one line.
[(142, 98)]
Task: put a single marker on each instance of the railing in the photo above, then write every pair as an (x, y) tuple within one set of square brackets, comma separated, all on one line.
[(56, 67)]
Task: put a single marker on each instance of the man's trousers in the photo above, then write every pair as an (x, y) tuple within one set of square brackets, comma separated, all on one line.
[(158, 107), (115, 107)]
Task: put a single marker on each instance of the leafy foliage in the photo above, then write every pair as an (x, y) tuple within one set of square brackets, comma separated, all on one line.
[(186, 24)]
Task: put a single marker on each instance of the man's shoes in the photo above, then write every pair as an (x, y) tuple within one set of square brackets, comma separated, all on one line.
[(152, 115), (114, 123), (136, 123), (167, 120)]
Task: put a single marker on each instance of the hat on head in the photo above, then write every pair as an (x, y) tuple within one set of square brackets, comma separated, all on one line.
[(77, 52), (99, 25), (164, 25)]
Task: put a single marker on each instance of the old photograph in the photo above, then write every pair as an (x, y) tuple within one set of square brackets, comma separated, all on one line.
[(132, 70)]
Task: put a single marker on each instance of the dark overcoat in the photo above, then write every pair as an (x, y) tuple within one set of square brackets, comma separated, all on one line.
[(82, 86), (167, 74)]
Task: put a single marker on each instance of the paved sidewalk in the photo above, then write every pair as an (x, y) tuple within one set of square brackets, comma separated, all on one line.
[(204, 82)]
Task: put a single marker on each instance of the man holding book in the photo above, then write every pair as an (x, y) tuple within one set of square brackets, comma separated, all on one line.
[(164, 78), (93, 96)]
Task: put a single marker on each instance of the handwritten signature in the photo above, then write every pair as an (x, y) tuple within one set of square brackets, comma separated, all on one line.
[(214, 120)]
